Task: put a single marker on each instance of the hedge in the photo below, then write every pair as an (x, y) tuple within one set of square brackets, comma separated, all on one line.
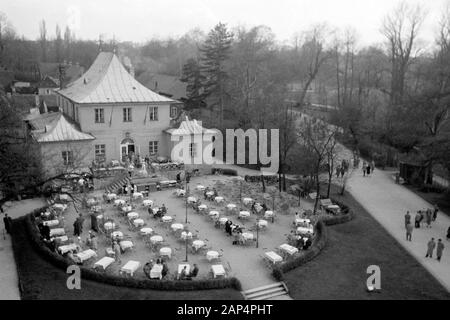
[(345, 216), (90, 274), (318, 244), (226, 171)]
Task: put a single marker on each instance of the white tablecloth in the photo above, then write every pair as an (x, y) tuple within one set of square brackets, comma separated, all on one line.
[(156, 272), (166, 251), (100, 217), (214, 213), (210, 193), (138, 195), (85, 255), (186, 235), (244, 214), (288, 249), (127, 209), (62, 238), (268, 214), (197, 244), (146, 231), (247, 201), (104, 262), (119, 202), (231, 206), (180, 192), (60, 206), (247, 236), (303, 222), (67, 248), (223, 220), (203, 207), (51, 223), (273, 257), (57, 232), (133, 215), (177, 226), (191, 199), (218, 270), (200, 187), (117, 235), (262, 223), (109, 225), (303, 230), (167, 219), (218, 199), (126, 244), (156, 239), (111, 196), (130, 267), (211, 255), (138, 222), (63, 197), (147, 203)]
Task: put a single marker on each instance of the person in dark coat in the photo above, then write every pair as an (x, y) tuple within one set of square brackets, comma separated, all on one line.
[(94, 222), (45, 232), (417, 219), (407, 218), (439, 250), (7, 221), (430, 248), (78, 225), (435, 212)]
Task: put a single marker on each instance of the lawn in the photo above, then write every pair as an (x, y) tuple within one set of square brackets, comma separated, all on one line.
[(39, 280), (339, 272)]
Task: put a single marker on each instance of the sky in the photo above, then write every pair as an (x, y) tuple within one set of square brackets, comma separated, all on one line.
[(141, 20)]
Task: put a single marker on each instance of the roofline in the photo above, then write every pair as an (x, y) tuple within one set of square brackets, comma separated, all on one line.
[(62, 141), (108, 103)]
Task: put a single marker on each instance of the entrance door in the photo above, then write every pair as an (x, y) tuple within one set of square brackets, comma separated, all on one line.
[(126, 147)]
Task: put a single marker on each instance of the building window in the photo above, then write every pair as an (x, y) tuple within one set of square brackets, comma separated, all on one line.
[(153, 114), (153, 147), (67, 158), (173, 111), (99, 115), (127, 115), (100, 152), (193, 150)]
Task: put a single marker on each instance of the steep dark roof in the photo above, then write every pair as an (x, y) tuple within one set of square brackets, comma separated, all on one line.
[(164, 84)]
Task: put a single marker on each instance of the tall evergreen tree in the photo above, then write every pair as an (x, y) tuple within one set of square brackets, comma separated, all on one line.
[(215, 52), (194, 79)]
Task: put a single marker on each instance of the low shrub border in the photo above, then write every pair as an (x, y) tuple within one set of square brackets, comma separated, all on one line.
[(89, 274), (318, 244), (345, 216)]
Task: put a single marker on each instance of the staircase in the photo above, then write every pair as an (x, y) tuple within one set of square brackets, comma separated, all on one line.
[(267, 292), (118, 183)]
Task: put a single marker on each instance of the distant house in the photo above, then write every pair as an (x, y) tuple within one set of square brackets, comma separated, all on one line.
[(47, 86), (52, 69)]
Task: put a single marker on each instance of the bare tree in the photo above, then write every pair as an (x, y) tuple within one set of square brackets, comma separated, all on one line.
[(43, 40), (318, 137), (58, 44), (401, 29)]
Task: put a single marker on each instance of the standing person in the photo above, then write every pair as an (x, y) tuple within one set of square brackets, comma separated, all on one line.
[(417, 219), (428, 216), (435, 212), (430, 248), (439, 250), (407, 218), (94, 222), (409, 230), (342, 171), (372, 165), (364, 166), (7, 222), (368, 170), (117, 252), (78, 225), (338, 171)]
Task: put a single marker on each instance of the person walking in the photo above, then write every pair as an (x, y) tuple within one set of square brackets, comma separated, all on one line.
[(338, 171), (364, 167), (368, 170), (417, 219), (428, 216), (409, 230), (407, 218), (439, 250), (7, 221), (435, 212), (430, 248), (117, 252)]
